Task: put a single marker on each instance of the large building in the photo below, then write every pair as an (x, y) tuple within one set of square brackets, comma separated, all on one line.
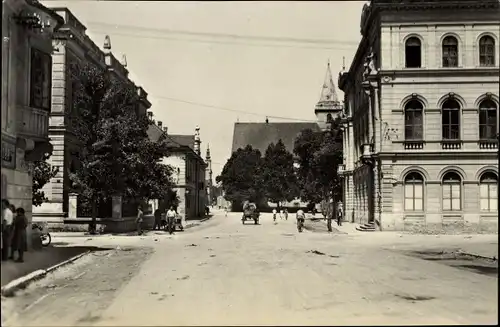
[(73, 45), (421, 117), (27, 29), (189, 173)]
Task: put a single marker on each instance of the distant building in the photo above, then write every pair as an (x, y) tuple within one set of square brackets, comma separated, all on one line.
[(260, 135), (421, 126), (27, 29), (189, 173)]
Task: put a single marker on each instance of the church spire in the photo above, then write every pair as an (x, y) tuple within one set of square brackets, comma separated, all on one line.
[(328, 93)]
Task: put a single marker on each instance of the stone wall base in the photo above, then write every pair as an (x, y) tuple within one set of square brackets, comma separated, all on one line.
[(420, 225)]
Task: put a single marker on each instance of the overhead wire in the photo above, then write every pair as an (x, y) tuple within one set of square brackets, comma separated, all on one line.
[(230, 109), (224, 35), (160, 37)]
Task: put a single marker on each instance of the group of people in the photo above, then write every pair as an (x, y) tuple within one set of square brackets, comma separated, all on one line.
[(13, 232), (301, 215), (283, 214), (163, 219)]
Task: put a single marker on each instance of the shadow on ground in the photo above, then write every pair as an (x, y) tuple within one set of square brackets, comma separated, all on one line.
[(41, 259), (460, 260)]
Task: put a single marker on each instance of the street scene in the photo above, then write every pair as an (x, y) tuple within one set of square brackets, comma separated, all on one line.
[(225, 273), (249, 163)]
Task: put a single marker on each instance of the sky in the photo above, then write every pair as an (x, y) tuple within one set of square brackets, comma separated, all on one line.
[(212, 64)]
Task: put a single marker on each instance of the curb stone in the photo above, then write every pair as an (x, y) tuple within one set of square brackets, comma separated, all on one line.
[(477, 255), (22, 282)]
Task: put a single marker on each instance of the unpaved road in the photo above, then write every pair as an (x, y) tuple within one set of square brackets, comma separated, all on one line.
[(223, 273)]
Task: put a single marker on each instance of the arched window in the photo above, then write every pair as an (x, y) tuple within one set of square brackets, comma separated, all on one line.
[(329, 118), (450, 52), (452, 192), (488, 120), (488, 192), (450, 120), (413, 53), (486, 51), (414, 120), (414, 192)]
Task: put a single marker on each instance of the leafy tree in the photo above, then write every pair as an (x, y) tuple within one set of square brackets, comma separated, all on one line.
[(117, 157), (319, 154), (241, 176), (43, 172), (278, 175)]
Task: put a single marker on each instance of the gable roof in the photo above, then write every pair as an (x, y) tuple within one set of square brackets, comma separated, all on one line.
[(177, 141), (154, 132), (260, 135)]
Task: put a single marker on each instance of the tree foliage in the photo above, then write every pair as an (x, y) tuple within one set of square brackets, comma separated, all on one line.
[(43, 172), (241, 176), (117, 157), (319, 154), (278, 175)]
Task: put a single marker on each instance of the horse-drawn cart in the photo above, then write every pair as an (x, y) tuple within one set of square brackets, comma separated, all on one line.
[(250, 212)]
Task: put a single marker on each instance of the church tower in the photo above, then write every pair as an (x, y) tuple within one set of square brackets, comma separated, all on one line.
[(328, 104), (197, 141), (208, 174)]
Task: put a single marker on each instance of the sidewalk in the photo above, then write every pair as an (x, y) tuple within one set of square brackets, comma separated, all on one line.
[(40, 259)]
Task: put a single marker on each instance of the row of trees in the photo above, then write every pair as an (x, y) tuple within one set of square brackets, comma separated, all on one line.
[(309, 173), (116, 156)]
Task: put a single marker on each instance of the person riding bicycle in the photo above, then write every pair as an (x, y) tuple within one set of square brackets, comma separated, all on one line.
[(301, 216)]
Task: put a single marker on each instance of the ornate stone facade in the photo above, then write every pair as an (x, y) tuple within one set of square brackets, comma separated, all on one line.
[(27, 28), (421, 117), (72, 45)]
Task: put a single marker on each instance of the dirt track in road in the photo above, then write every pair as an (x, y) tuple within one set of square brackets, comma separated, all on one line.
[(229, 274)]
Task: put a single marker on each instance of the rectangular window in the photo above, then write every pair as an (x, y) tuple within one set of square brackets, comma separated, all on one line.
[(488, 194), (414, 197), (450, 56), (452, 197), (41, 79)]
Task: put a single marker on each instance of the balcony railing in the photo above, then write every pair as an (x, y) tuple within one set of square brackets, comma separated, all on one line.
[(32, 122), (451, 144), (413, 144), (488, 144)]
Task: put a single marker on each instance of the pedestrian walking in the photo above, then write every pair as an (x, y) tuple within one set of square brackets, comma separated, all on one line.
[(157, 223), (139, 220), (19, 240), (340, 213), (330, 215), (7, 228), (274, 214), (286, 214), (282, 214), (225, 211)]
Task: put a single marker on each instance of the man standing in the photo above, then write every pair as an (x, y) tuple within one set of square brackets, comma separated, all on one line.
[(340, 213), (330, 213), (7, 219), (171, 214), (139, 220)]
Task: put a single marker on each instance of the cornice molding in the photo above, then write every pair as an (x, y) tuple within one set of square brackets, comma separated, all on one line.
[(423, 5), (389, 75)]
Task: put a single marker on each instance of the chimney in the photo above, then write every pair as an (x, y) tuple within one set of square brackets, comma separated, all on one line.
[(160, 123), (165, 129), (150, 115), (107, 44)]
